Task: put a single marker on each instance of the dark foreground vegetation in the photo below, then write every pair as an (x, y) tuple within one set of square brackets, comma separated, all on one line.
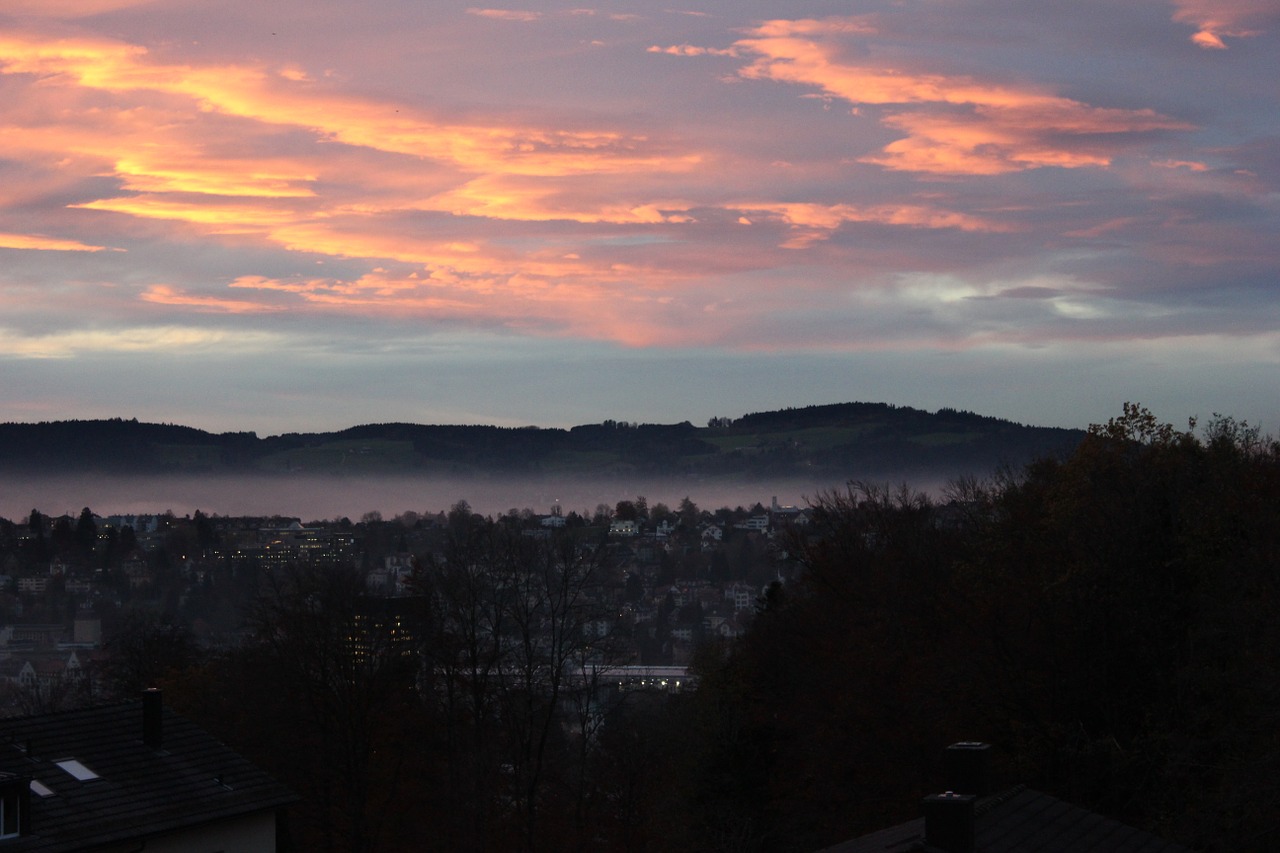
[(1108, 620)]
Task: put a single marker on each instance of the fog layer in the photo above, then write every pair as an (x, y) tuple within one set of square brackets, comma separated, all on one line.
[(316, 498)]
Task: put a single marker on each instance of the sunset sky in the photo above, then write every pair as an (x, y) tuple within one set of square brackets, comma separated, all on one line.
[(301, 216)]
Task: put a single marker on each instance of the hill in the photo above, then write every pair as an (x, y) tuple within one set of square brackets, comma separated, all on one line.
[(847, 440)]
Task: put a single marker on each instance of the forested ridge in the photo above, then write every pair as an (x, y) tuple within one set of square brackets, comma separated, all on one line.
[(847, 439)]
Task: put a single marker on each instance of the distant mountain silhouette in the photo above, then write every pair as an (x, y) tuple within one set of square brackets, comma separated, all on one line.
[(851, 440)]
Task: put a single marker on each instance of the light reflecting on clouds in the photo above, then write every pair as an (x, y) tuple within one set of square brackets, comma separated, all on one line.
[(574, 199)]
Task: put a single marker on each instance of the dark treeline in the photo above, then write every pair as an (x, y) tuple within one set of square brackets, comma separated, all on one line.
[(816, 440), (1107, 620)]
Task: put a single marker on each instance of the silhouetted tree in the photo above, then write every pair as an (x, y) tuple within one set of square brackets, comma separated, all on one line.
[(146, 650), (86, 534), (1107, 619)]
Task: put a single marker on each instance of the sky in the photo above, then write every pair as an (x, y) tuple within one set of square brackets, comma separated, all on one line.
[(302, 216)]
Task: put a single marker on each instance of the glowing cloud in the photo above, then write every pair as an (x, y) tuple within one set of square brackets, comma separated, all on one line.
[(810, 223), (1216, 19), (44, 244), (68, 8), (531, 199), (956, 124), (252, 93), (917, 177), (162, 294), (195, 172), (218, 219), (555, 306)]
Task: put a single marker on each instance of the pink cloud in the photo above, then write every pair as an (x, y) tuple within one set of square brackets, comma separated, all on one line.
[(163, 294), (1218, 19), (809, 223), (527, 299), (68, 8), (506, 14), (954, 124), (251, 93)]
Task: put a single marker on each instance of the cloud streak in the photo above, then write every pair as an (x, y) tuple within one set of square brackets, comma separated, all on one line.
[(954, 124), (746, 182)]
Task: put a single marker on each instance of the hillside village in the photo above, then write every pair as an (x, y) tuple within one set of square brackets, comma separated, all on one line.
[(74, 590)]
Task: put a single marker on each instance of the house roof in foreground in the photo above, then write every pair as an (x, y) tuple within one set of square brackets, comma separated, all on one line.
[(1022, 820), (139, 791)]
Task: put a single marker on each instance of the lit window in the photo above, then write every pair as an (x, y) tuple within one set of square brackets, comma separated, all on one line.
[(38, 787)]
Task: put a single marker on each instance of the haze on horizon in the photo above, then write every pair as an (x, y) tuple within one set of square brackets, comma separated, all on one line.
[(302, 216), (326, 498)]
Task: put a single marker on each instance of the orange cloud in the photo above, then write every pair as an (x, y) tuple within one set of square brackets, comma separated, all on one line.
[(556, 306), (217, 218), (252, 93), (1216, 19), (45, 244), (162, 294), (811, 223), (520, 198), (194, 172), (956, 124), (67, 8)]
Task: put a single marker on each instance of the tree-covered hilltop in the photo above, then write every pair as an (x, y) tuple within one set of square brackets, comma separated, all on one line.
[(1109, 621), (851, 439), (116, 444)]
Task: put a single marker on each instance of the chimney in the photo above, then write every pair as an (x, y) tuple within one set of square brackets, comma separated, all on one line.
[(967, 768), (153, 718), (948, 822)]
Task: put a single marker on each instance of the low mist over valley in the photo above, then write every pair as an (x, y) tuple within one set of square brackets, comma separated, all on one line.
[(792, 454), (317, 497)]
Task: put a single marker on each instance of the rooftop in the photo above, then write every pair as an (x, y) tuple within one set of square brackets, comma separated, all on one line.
[(96, 779), (1022, 820)]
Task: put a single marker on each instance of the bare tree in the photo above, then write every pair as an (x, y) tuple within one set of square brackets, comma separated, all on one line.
[(510, 661)]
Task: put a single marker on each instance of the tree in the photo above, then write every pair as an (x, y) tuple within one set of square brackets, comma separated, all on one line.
[(1107, 619), (86, 534), (343, 667), (146, 651), (509, 655)]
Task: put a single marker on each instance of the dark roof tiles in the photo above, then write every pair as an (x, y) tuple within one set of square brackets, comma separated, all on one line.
[(141, 792), (1022, 820)]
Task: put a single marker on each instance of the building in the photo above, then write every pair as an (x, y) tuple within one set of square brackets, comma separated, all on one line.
[(131, 776), (969, 818)]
